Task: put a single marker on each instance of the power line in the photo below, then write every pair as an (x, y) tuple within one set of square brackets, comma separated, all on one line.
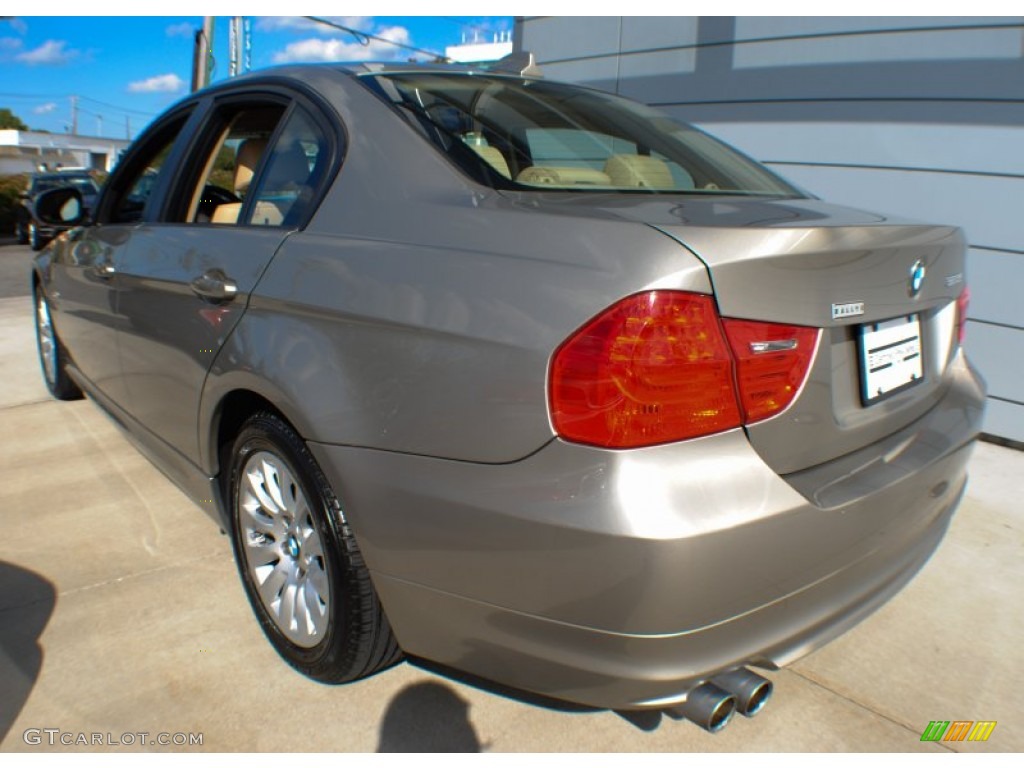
[(363, 38), (37, 96), (126, 110)]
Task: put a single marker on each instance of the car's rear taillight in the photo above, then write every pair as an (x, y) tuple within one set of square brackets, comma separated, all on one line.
[(657, 367), (771, 364), (962, 303)]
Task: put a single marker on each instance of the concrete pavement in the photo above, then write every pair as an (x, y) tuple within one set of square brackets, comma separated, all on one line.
[(121, 612)]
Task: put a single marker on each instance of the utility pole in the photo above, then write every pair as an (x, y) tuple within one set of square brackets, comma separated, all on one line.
[(74, 115), (246, 44), (99, 125), (202, 55), (234, 45), (208, 33), (128, 127)]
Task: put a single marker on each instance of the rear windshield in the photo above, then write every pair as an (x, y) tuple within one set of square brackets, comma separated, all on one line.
[(515, 133)]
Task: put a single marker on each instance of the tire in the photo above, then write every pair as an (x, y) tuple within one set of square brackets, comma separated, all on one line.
[(291, 540), (20, 233), (35, 240), (52, 355)]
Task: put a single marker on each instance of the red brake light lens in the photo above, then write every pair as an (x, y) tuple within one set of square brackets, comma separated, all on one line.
[(654, 368), (962, 303), (771, 364), (659, 367)]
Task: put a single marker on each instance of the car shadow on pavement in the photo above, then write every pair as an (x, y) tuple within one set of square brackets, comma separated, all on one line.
[(427, 717), (26, 604), (643, 720)]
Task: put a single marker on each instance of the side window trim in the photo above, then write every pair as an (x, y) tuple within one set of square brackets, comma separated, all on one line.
[(199, 114)]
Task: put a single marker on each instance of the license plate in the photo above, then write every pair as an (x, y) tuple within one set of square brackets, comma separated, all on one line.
[(890, 357)]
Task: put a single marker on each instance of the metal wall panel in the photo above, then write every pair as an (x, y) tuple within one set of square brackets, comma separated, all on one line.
[(968, 148), (987, 207), (990, 347)]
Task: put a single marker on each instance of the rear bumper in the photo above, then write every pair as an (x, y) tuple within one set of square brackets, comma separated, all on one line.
[(623, 579)]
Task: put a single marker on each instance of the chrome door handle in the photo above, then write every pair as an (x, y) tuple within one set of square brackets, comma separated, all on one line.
[(214, 286)]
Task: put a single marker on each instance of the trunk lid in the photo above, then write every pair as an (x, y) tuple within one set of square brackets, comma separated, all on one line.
[(809, 263)]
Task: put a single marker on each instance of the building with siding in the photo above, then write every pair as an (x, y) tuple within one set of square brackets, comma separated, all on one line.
[(916, 117), (28, 151)]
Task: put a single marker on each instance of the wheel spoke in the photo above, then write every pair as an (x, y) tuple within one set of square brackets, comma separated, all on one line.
[(314, 608), (257, 519), (258, 483), (288, 599), (316, 582), (272, 482), (273, 582), (261, 553)]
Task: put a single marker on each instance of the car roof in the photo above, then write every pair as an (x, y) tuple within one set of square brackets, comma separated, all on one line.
[(60, 174), (356, 69)]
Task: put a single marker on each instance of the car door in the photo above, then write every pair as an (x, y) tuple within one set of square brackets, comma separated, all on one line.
[(186, 278), (85, 277)]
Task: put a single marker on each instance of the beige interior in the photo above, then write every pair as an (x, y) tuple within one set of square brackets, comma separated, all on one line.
[(494, 158), (227, 213), (266, 214), (248, 158), (639, 171), (563, 176), (249, 153)]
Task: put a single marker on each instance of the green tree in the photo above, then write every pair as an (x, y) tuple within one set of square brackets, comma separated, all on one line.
[(10, 120)]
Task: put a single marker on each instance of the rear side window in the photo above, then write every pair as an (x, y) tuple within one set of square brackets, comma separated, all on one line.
[(295, 167)]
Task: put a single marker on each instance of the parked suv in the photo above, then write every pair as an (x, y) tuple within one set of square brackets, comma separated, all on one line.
[(27, 227)]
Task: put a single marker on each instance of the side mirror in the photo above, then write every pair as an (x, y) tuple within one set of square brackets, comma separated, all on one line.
[(62, 207)]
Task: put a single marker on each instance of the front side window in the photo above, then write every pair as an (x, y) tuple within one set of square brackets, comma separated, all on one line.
[(133, 188), (259, 166), (518, 133), (232, 155)]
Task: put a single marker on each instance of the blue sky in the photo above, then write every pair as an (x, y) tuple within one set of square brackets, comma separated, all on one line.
[(131, 68)]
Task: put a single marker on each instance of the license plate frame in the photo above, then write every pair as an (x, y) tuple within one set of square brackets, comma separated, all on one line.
[(891, 359)]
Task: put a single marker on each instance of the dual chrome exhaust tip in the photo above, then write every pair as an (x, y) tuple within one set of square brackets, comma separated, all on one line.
[(712, 704)]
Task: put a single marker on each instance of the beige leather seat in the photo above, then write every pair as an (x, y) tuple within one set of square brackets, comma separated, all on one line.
[(563, 176), (248, 158), (494, 158), (639, 171), (249, 153)]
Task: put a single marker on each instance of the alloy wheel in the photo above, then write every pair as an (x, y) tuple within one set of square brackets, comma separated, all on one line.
[(283, 550), (47, 341)]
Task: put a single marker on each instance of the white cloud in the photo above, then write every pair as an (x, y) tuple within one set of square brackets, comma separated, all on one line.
[(185, 29), (50, 52), (302, 24), (45, 109), (333, 49), (9, 43), (169, 83)]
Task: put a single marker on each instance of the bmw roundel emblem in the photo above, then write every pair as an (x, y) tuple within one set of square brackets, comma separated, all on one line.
[(916, 277)]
